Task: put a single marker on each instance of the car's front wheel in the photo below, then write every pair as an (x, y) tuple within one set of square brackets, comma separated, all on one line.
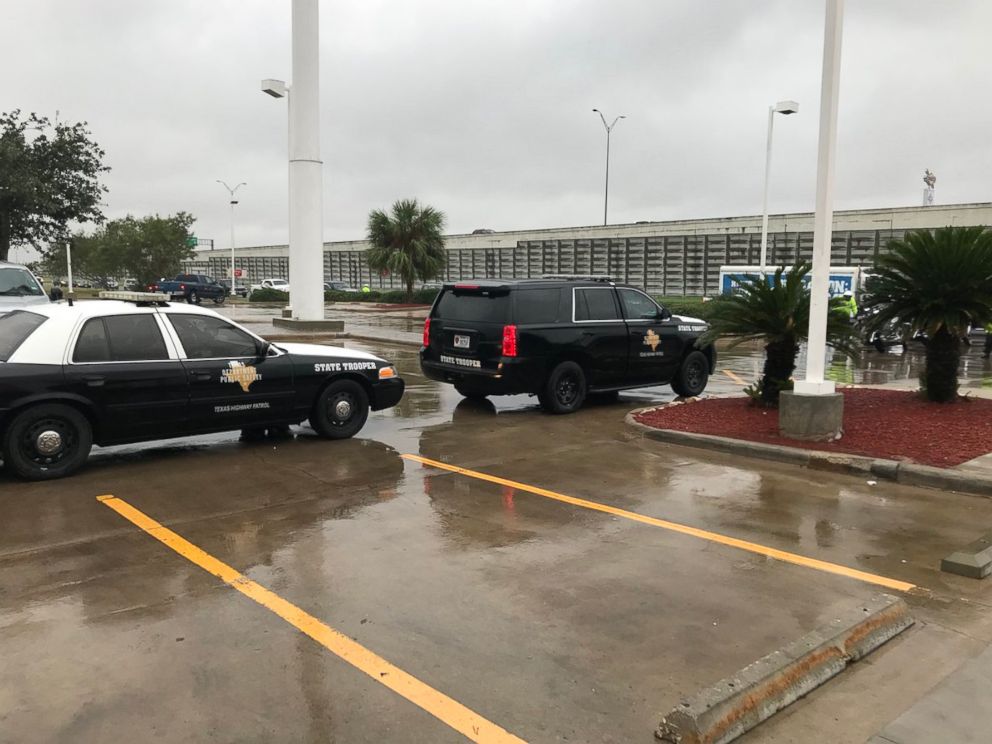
[(193, 298), (219, 300), (692, 376), (565, 389), (47, 441), (341, 410)]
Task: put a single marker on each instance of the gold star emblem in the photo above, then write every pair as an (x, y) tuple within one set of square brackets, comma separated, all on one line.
[(243, 374), (652, 339)]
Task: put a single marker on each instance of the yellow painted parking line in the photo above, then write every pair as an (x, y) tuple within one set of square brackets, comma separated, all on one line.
[(463, 720), (734, 377), (782, 555)]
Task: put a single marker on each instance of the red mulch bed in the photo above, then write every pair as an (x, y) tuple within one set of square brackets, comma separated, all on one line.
[(891, 424)]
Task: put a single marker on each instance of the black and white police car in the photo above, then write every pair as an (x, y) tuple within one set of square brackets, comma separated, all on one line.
[(134, 367)]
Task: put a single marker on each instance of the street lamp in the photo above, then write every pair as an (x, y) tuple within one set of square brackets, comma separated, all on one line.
[(785, 108), (609, 128), (233, 202)]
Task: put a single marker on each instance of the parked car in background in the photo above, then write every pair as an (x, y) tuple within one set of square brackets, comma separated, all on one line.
[(240, 289), (194, 288), (560, 338), (19, 288), (337, 286), (280, 285)]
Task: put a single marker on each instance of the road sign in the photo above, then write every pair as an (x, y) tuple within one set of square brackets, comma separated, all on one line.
[(192, 241), (238, 273)]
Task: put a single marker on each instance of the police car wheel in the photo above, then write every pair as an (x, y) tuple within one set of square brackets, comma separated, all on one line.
[(47, 441), (565, 389), (341, 410), (470, 393), (692, 376)]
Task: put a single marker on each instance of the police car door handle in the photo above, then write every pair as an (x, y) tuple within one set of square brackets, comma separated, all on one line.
[(202, 376), (94, 380)]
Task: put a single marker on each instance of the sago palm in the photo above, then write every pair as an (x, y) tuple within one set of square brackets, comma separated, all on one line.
[(408, 242), (775, 310), (939, 283)]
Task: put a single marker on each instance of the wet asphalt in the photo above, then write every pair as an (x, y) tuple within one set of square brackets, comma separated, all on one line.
[(555, 622)]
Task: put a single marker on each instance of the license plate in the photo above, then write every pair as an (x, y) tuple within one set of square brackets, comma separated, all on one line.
[(461, 342)]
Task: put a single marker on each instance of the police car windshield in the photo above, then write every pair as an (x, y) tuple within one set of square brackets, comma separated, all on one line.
[(15, 327), (18, 283)]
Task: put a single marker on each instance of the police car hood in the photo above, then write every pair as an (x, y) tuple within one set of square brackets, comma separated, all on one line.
[(331, 352), (689, 319)]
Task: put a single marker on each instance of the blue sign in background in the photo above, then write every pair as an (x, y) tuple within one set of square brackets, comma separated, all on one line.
[(839, 283)]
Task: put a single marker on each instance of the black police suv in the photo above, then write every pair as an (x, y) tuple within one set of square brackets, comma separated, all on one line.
[(113, 372), (560, 338)]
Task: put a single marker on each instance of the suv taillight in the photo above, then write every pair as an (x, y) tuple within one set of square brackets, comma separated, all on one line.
[(509, 341), (427, 332)]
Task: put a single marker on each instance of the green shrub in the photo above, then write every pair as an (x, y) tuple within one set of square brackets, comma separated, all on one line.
[(693, 306), (388, 296), (268, 295)]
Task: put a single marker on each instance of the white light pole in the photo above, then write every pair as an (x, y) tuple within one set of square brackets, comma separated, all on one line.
[(608, 128), (785, 108), (306, 239), (814, 384), (233, 202)]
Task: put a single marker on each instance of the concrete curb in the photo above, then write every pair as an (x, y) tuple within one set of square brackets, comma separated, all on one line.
[(907, 473), (740, 702)]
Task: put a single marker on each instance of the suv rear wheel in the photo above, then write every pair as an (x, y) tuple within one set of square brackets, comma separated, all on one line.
[(565, 389), (692, 376), (470, 393)]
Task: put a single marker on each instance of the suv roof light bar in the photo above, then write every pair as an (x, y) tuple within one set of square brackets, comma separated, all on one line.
[(580, 277)]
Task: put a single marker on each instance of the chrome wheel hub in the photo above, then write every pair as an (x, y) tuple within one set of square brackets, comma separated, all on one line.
[(342, 409), (48, 442)]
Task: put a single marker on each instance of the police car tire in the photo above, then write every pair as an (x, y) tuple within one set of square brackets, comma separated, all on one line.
[(692, 375), (565, 389), (67, 421), (323, 418), (470, 393)]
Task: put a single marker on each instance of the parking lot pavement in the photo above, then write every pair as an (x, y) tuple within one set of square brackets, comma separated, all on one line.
[(549, 619)]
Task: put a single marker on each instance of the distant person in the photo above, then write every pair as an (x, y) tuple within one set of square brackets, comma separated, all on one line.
[(850, 305), (988, 340)]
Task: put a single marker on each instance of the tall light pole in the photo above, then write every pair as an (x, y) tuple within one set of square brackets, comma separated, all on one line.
[(814, 384), (306, 187), (234, 201), (608, 128), (785, 108)]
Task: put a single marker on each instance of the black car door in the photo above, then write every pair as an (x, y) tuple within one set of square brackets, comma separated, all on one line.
[(602, 334), (653, 346), (230, 385), (124, 365)]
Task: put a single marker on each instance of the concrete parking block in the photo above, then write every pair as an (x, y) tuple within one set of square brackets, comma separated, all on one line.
[(973, 561), (740, 702)]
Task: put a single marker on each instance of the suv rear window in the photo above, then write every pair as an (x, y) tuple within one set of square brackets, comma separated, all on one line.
[(473, 307), (15, 327), (595, 303), (537, 305)]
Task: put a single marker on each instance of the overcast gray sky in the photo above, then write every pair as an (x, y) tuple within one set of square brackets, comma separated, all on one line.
[(482, 108)]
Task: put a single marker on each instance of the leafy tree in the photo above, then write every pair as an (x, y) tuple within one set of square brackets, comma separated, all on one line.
[(48, 179), (408, 242), (147, 249), (777, 313), (939, 283)]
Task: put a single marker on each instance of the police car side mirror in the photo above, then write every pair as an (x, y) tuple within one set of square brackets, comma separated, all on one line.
[(664, 314), (262, 349)]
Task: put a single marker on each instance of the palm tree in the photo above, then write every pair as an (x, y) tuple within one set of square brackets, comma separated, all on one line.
[(939, 283), (408, 242), (775, 310)]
